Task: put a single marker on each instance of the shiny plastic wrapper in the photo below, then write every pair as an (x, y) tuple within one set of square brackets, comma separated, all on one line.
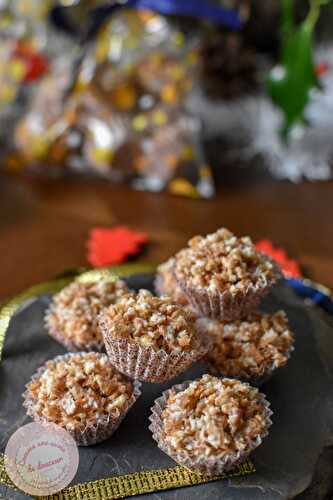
[(29, 45), (123, 116)]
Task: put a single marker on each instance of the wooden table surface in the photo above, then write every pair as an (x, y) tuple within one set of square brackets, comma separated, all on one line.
[(44, 224)]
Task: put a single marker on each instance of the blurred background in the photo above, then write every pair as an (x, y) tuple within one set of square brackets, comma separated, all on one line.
[(171, 118)]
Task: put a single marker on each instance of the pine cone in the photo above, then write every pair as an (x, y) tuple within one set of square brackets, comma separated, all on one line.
[(228, 65)]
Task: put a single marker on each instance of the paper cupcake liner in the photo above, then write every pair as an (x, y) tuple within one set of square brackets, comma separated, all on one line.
[(227, 306), (203, 465), (58, 335), (145, 364), (92, 434)]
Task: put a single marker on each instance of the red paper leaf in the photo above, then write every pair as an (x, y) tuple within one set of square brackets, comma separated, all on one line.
[(113, 246), (290, 267)]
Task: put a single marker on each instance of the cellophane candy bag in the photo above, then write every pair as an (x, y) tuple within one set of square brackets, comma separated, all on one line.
[(125, 117)]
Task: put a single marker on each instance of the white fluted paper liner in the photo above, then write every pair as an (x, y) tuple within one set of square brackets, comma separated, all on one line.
[(72, 346), (202, 465), (227, 305), (145, 364), (92, 434)]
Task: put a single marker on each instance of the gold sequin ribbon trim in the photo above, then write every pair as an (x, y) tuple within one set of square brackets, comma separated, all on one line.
[(135, 483)]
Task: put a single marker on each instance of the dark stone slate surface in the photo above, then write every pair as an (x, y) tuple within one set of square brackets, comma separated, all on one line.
[(301, 396)]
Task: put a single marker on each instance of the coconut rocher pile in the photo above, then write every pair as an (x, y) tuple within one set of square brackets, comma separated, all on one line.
[(214, 422), (76, 393)]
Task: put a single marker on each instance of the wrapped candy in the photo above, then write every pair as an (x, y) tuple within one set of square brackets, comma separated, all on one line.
[(27, 22), (28, 47), (126, 117), (20, 60), (21, 65)]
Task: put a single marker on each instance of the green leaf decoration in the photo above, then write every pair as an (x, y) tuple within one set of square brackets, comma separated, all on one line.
[(287, 24), (290, 83)]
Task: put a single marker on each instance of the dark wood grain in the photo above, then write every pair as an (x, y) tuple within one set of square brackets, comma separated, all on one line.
[(44, 223)]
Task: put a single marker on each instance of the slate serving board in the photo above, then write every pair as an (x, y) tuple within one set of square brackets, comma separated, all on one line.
[(301, 396)]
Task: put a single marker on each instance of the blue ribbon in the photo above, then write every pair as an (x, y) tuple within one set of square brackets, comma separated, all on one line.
[(316, 296), (196, 8)]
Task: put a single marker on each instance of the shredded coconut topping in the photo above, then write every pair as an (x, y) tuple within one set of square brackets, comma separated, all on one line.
[(78, 392), (74, 311), (221, 260), (156, 322), (249, 347), (167, 285), (213, 417)]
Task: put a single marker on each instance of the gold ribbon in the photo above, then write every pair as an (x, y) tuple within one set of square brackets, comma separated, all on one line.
[(136, 483)]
